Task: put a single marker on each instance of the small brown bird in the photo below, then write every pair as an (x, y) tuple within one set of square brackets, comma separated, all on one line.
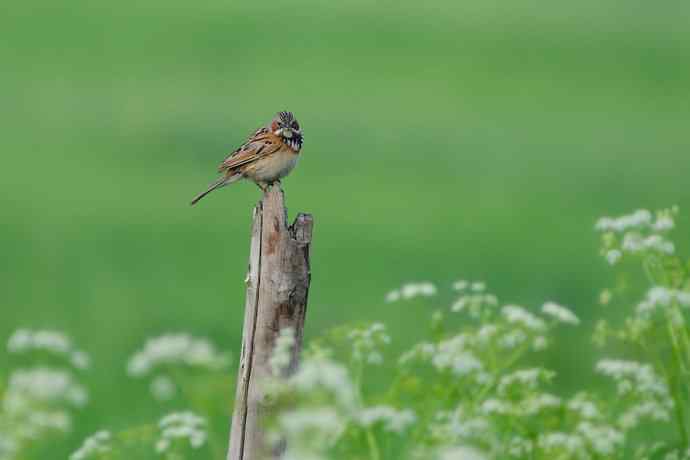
[(267, 156)]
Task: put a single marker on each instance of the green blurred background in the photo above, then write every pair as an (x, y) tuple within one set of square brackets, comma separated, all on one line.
[(444, 140)]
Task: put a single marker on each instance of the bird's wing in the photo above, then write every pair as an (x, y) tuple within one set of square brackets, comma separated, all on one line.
[(261, 144)]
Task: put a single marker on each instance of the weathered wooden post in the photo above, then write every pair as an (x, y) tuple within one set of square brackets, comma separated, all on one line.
[(277, 288)]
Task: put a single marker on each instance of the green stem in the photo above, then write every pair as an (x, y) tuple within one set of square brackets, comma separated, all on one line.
[(673, 382), (684, 334), (371, 439), (675, 386), (499, 369), (648, 271), (680, 416), (373, 445)]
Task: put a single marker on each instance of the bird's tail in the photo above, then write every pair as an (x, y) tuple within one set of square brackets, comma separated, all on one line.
[(222, 182)]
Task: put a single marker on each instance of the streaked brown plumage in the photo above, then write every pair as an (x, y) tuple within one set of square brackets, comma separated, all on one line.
[(267, 156)]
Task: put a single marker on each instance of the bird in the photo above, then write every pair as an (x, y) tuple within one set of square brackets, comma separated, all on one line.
[(267, 156)]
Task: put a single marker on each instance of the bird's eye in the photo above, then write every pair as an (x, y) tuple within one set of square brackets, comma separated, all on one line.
[(295, 125)]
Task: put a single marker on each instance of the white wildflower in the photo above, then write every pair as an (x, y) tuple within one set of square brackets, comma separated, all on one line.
[(181, 426), (367, 342), (462, 453), (522, 379), (392, 296), (634, 243), (80, 359), (641, 218), (98, 443), (474, 303), (25, 339), (539, 403), (52, 342), (452, 354), (454, 425), (411, 290), (604, 440), (512, 339), (36, 402), (520, 447), (660, 297), (323, 374), (560, 313), (163, 388), (613, 256), (311, 428), (605, 297), (42, 386), (663, 223), (634, 376), (496, 406), (175, 349), (486, 333), (393, 420), (540, 343), (460, 304), (35, 423), (651, 410), (282, 351), (560, 441), (460, 285), (639, 233), (423, 351), (657, 296), (515, 314), (478, 286), (584, 406), (8, 447), (683, 298)]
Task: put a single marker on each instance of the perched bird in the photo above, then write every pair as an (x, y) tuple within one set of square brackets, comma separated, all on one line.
[(267, 156)]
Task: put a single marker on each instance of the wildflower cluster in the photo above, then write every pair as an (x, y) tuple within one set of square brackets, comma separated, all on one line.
[(638, 233), (472, 298), (657, 325), (475, 388), (41, 397), (470, 393), (27, 341), (172, 362), (175, 349), (411, 290), (93, 446), (317, 402), (367, 343), (181, 427), (169, 357), (639, 383)]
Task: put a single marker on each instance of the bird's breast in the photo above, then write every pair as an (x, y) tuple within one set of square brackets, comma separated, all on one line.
[(273, 167)]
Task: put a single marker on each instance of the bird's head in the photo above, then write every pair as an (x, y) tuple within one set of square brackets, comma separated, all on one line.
[(285, 125)]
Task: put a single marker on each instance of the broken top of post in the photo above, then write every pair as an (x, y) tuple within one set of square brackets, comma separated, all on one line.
[(277, 288)]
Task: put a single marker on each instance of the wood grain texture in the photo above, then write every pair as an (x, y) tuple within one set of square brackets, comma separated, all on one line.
[(277, 288)]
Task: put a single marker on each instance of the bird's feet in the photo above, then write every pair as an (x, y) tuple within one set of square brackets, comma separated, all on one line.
[(264, 186)]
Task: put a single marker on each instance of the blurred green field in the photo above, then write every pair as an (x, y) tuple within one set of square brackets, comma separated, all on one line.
[(443, 140)]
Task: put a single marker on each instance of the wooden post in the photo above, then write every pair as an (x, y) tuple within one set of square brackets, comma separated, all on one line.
[(277, 288)]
